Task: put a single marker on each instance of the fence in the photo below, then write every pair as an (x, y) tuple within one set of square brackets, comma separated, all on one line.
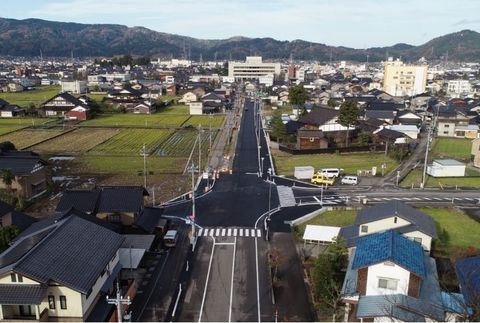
[(295, 151)]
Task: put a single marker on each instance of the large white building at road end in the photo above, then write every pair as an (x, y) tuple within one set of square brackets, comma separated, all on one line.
[(253, 69)]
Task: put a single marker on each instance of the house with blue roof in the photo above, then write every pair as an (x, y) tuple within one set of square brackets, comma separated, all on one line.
[(389, 276)]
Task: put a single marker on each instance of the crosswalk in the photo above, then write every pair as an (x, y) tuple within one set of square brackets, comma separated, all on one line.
[(426, 199), (230, 232)]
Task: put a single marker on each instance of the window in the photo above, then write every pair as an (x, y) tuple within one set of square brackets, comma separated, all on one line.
[(20, 278), (51, 302), (445, 132), (387, 283), (13, 277), (446, 126), (395, 220), (364, 228), (419, 240), (114, 218), (63, 302)]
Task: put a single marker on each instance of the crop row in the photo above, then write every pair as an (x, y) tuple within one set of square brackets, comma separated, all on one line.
[(28, 137), (181, 143), (130, 142), (78, 141)]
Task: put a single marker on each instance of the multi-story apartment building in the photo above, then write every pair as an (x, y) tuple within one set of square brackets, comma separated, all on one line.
[(457, 88), (404, 80), (252, 68)]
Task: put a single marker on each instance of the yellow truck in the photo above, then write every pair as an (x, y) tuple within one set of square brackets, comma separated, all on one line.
[(319, 178)]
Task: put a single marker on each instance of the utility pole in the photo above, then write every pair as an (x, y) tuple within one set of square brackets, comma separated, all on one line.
[(426, 158), (144, 154), (118, 302), (210, 133), (192, 218)]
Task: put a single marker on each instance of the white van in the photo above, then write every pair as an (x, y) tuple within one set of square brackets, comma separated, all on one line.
[(170, 238), (350, 180), (331, 172)]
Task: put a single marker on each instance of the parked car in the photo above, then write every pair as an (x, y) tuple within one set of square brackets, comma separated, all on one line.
[(321, 179), (349, 180), (331, 172), (170, 238)]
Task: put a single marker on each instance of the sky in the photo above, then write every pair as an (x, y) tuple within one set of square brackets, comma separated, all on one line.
[(352, 23)]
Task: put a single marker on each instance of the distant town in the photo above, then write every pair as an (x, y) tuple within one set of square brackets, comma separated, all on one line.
[(138, 188)]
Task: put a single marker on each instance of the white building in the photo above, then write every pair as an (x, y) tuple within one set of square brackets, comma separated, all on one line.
[(457, 88), (446, 168), (75, 87), (404, 80), (252, 68), (196, 108)]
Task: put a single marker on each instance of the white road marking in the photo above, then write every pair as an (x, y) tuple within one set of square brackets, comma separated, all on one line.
[(212, 231), (206, 283), (468, 199), (231, 283), (217, 232), (200, 232), (316, 199), (427, 198), (258, 284), (229, 232), (205, 232), (252, 233), (247, 233), (437, 198), (235, 232), (240, 232), (259, 233), (416, 198), (223, 232)]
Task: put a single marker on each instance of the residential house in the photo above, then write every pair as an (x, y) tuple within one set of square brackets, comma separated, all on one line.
[(121, 205), (390, 278), (388, 136), (323, 118), (145, 107), (8, 216), (408, 118), (58, 269), (30, 177), (66, 106), (311, 139), (188, 97), (410, 130), (395, 215), (11, 111), (172, 90), (455, 122), (125, 98)]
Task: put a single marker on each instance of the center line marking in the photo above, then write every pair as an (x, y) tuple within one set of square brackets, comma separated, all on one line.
[(206, 282)]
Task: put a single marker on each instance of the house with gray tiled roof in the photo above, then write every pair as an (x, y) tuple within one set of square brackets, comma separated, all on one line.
[(59, 270), (389, 277), (395, 215)]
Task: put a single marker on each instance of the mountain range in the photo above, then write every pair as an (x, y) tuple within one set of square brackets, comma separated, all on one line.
[(29, 37)]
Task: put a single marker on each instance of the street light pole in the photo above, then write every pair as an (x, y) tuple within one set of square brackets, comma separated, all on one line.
[(426, 159), (118, 301), (192, 218), (199, 148), (261, 169)]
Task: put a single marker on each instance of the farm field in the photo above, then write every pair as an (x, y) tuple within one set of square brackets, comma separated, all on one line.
[(25, 98), (25, 121), (352, 162), (78, 141), (129, 142), (4, 129), (174, 109), (29, 137), (158, 119), (180, 144), (215, 120), (459, 149), (132, 165)]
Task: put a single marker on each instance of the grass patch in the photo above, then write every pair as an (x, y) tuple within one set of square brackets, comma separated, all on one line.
[(414, 178), (335, 218), (129, 142), (29, 137), (25, 121), (130, 165), (78, 141), (463, 230), (215, 120), (349, 162), (37, 97), (4, 129), (175, 110), (157, 119), (452, 148), (96, 97)]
